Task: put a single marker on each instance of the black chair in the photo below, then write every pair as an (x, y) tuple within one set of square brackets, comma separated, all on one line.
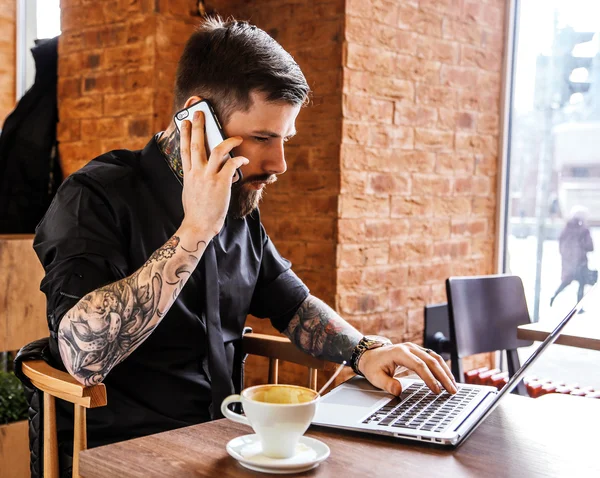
[(484, 314), (436, 333)]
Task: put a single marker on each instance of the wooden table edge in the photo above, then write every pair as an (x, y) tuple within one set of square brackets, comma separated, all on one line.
[(533, 332)]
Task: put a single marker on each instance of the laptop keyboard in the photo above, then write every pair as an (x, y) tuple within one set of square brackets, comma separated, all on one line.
[(418, 408)]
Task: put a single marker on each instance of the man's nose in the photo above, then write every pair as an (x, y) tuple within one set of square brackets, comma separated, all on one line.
[(275, 163)]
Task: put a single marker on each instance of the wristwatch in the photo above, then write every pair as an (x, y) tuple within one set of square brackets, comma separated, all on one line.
[(368, 342)]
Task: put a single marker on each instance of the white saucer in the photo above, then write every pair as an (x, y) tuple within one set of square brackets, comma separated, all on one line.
[(248, 451)]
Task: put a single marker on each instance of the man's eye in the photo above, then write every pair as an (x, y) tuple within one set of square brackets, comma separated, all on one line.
[(261, 139)]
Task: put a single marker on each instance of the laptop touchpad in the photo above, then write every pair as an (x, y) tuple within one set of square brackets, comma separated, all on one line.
[(357, 398)]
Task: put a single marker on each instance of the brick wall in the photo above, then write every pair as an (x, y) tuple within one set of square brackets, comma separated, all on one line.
[(116, 73), (419, 158), (8, 57)]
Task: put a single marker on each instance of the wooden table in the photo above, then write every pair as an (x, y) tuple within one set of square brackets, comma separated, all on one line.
[(582, 331), (555, 435)]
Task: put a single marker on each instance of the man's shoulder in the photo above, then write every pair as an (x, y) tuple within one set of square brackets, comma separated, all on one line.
[(110, 169)]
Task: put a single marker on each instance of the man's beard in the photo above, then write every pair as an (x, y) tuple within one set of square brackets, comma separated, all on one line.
[(244, 200)]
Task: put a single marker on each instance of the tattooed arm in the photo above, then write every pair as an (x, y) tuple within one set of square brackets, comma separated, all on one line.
[(106, 325), (319, 331)]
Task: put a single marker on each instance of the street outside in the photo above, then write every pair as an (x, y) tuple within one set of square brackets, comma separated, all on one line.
[(559, 363)]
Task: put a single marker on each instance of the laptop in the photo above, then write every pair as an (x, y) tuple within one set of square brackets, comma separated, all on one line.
[(418, 414)]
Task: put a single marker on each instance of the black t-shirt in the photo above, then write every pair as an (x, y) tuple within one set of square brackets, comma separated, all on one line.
[(104, 223)]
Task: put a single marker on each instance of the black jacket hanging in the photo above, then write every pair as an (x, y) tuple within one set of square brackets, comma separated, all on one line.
[(29, 167)]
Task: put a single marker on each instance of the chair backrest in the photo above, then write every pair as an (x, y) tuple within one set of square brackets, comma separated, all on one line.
[(484, 313), (436, 333)]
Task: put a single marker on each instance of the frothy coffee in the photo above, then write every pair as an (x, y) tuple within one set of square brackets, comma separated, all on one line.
[(282, 394)]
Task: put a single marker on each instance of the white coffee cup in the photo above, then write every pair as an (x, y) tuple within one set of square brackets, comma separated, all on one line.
[(279, 415)]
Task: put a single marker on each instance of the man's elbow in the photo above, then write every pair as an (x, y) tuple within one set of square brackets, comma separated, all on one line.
[(72, 363)]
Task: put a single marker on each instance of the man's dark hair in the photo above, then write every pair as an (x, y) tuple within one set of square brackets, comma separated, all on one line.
[(224, 61)]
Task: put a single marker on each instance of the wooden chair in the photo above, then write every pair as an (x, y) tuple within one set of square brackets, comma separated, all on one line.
[(58, 384)]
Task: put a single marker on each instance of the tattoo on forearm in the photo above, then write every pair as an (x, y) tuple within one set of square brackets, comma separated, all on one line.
[(106, 325), (319, 331)]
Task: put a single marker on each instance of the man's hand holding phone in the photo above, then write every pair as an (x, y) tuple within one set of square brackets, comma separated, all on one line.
[(207, 181)]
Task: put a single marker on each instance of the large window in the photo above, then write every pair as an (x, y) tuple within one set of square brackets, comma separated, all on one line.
[(552, 223), (554, 150)]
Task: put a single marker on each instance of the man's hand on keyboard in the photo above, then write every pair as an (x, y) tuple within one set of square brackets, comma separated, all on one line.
[(378, 366)]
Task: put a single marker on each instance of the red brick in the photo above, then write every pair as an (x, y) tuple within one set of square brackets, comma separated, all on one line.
[(463, 186), (459, 76), (381, 11), (80, 151), (127, 56), (430, 185), (482, 58), (362, 108), (414, 161), (387, 184), (484, 206), (363, 255), (381, 36), (103, 82), (103, 128), (438, 50), (483, 185), (411, 206), (134, 103), (430, 139), (353, 181), (418, 69), (362, 58), (409, 297), (68, 131), (410, 251), (361, 303), (431, 227), (349, 279), (453, 29), (354, 156), (436, 96), (486, 164), (385, 276), (319, 256), (381, 229), (408, 17), (482, 247), (76, 17), (492, 14), (351, 230), (85, 107), (356, 133), (451, 206), (472, 12), (429, 273), (310, 181), (357, 206), (412, 115), (488, 123), (69, 87), (105, 36), (477, 143), (384, 136)]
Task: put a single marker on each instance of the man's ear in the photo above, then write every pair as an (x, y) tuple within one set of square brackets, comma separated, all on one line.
[(192, 100)]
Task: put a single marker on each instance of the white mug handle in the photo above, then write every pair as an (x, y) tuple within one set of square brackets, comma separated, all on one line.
[(236, 417)]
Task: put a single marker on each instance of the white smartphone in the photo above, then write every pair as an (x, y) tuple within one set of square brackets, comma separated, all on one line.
[(214, 133)]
